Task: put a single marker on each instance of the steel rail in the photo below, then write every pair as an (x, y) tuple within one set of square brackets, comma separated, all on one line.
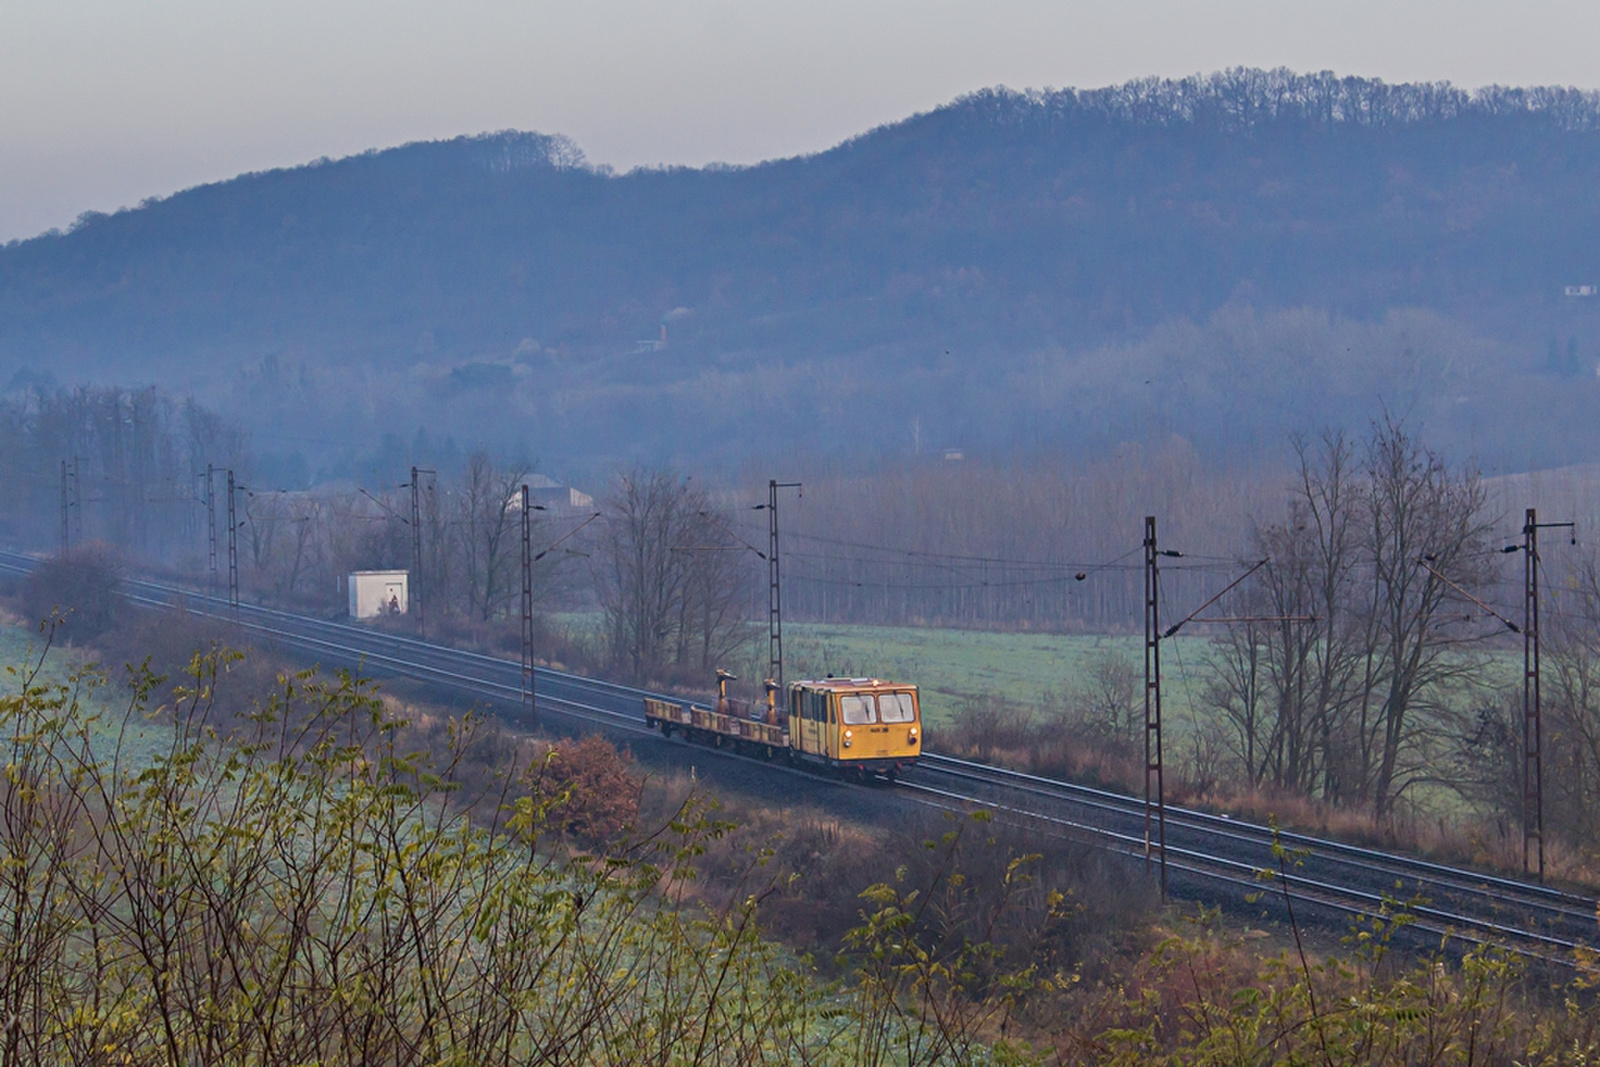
[(1563, 906), (425, 673), (1343, 899), (610, 718), (407, 656), (1327, 893), (1209, 822)]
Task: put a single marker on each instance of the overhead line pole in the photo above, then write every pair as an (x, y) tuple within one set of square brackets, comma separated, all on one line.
[(774, 583), (417, 578), (1532, 727), (66, 529), (77, 498), (1532, 712), (1155, 807), (527, 607), (211, 520), (233, 550), (1155, 800)]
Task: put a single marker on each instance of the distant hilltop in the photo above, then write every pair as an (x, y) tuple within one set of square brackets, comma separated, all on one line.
[(1222, 257)]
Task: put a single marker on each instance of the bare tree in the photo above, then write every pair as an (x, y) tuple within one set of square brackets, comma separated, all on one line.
[(1572, 709), (488, 500), (1343, 693), (671, 589), (641, 576), (716, 594), (1108, 703), (1424, 527)]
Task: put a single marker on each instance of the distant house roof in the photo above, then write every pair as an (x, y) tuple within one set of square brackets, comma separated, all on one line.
[(560, 496), (551, 495)]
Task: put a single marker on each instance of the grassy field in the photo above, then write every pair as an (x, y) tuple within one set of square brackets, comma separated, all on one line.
[(106, 699), (955, 666)]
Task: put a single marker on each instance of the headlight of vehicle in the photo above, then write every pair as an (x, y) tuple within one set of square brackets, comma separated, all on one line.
[(848, 734)]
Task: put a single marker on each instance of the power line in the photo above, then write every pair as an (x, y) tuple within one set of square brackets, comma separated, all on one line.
[(915, 553)]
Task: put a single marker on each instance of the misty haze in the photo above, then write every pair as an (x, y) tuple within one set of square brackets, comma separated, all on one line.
[(1032, 576)]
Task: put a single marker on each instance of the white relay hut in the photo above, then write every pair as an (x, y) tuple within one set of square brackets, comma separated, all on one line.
[(374, 593)]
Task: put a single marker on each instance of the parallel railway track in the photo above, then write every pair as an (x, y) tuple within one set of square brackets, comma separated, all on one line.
[(1209, 856)]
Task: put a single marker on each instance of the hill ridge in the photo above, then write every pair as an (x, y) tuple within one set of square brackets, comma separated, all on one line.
[(1047, 268)]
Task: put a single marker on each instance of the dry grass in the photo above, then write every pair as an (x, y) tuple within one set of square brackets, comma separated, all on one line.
[(1009, 735), (811, 868)]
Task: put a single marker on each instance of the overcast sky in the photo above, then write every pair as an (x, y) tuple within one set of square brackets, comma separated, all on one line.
[(106, 102)]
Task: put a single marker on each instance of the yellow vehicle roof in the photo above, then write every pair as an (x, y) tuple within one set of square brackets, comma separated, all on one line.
[(853, 683)]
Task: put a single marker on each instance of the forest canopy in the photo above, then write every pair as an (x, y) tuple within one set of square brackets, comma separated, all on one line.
[(1223, 257)]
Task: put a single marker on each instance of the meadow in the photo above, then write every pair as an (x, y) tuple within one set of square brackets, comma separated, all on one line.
[(955, 667), (98, 688)]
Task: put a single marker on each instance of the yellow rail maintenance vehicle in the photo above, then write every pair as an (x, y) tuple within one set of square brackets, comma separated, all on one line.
[(852, 726)]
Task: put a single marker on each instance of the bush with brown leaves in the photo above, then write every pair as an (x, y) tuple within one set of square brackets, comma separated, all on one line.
[(591, 795)]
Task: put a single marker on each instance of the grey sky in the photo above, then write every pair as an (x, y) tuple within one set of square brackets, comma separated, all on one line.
[(105, 102)]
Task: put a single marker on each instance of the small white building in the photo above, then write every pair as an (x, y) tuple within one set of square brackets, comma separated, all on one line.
[(374, 593)]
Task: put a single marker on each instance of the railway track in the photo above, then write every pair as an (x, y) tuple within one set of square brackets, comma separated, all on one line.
[(1208, 856)]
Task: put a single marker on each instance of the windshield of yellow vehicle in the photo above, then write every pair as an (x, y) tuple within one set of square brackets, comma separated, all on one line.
[(897, 707), (855, 709), (862, 709)]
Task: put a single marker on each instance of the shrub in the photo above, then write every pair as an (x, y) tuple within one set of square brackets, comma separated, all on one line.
[(587, 789), (81, 588)]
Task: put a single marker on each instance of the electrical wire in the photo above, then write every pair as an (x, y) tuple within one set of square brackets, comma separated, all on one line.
[(932, 557)]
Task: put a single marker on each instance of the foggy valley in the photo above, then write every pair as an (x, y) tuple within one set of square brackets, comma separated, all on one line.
[(1056, 578)]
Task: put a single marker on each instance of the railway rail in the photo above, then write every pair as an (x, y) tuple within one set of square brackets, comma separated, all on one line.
[(1208, 855)]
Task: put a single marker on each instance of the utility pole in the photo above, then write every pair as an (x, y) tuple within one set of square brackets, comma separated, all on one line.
[(774, 583), (77, 498), (1155, 806), (1532, 712), (416, 549), (233, 551), (211, 520), (527, 606), (1532, 727), (66, 529)]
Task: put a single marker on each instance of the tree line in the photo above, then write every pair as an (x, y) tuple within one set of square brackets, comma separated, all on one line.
[(1349, 684), (1367, 668), (108, 463), (988, 268)]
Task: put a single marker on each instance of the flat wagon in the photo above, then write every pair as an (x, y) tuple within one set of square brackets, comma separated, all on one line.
[(853, 726)]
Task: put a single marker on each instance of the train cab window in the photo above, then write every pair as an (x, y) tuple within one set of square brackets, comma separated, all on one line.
[(856, 710), (817, 707), (897, 707)]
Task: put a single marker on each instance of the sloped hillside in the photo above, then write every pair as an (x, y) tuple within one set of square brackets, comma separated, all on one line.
[(1219, 257)]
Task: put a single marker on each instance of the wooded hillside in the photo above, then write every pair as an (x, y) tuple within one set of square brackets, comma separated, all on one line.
[(1219, 257)]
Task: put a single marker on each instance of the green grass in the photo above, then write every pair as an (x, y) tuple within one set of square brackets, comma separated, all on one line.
[(20, 648), (102, 699), (955, 666)]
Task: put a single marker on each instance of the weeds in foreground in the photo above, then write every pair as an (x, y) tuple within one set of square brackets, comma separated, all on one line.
[(300, 888)]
